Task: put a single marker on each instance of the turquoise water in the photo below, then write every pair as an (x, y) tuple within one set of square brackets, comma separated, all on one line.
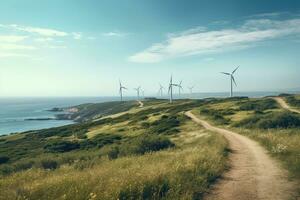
[(15, 111)]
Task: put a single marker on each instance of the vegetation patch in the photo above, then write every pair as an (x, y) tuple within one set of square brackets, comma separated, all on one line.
[(217, 115), (271, 120), (257, 105), (61, 146)]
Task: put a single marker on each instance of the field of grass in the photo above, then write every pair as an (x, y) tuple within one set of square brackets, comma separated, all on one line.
[(264, 121), (153, 152)]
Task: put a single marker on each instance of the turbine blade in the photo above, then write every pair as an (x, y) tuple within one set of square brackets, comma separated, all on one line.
[(233, 80), (225, 73), (234, 70)]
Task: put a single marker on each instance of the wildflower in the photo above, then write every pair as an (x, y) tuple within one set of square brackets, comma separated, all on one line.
[(92, 196)]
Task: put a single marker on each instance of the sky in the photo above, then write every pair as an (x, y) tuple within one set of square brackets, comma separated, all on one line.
[(84, 47)]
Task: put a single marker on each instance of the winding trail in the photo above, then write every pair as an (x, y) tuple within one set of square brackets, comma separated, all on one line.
[(141, 104), (253, 174), (284, 105)]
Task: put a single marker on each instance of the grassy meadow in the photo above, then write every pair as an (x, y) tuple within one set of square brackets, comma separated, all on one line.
[(154, 152), (263, 120)]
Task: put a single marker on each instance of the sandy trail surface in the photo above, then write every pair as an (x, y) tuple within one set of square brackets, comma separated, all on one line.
[(253, 174), (141, 104), (284, 105)]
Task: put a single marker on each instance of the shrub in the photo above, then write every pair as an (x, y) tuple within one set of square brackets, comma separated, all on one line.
[(48, 164), (271, 120), (259, 105), (150, 143), (293, 101), (61, 146), (113, 153), (280, 120), (216, 115), (166, 124), (3, 159)]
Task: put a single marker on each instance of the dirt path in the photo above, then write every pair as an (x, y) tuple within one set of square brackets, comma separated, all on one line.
[(253, 174), (141, 104), (284, 105)]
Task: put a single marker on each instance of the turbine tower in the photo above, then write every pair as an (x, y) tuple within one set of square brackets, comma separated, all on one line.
[(121, 88), (231, 80), (179, 87), (143, 94), (170, 90), (138, 89), (160, 91), (191, 89)]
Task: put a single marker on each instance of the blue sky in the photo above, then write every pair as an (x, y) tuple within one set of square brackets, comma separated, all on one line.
[(82, 48)]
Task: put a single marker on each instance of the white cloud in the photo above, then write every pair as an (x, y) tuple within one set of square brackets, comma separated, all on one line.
[(114, 34), (40, 31), (193, 42), (11, 38), (46, 39), (77, 36), (10, 46), (267, 15), (56, 47)]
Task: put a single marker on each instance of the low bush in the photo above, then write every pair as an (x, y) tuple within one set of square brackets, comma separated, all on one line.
[(61, 146), (113, 153), (149, 143), (140, 145), (166, 124), (293, 101), (48, 164), (258, 105), (3, 159), (271, 120), (216, 115)]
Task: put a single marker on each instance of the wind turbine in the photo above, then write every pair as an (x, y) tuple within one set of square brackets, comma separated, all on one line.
[(170, 90), (143, 94), (121, 88), (191, 89), (231, 79), (179, 87), (138, 89), (160, 91)]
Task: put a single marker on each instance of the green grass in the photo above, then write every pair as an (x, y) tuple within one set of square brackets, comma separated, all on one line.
[(153, 152), (260, 119)]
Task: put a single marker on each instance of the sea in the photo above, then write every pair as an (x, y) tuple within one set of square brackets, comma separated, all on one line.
[(15, 112)]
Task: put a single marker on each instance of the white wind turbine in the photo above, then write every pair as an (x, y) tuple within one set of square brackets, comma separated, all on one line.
[(179, 87), (121, 88), (231, 79), (191, 89), (138, 89), (143, 93), (160, 91), (170, 90)]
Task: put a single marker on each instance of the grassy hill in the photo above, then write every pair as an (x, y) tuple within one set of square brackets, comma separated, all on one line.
[(153, 152), (146, 153)]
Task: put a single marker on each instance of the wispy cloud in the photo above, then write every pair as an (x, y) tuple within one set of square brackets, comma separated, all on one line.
[(26, 38), (77, 36), (10, 46), (268, 15), (12, 38), (192, 42), (37, 30), (114, 34)]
